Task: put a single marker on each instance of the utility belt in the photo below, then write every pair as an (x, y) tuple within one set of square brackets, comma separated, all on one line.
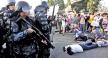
[(25, 48), (24, 42)]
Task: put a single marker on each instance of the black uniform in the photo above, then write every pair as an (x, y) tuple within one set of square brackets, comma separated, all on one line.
[(2, 29), (7, 12), (41, 22), (2, 33), (21, 43)]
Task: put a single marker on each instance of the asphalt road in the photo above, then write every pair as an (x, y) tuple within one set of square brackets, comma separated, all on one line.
[(59, 41)]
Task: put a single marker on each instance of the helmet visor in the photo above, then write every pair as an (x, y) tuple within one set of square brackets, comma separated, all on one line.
[(26, 9)]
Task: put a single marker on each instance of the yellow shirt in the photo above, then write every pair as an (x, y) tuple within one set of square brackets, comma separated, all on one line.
[(91, 19)]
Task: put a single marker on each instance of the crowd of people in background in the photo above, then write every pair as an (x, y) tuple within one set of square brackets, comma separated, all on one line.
[(96, 24), (23, 36), (90, 30)]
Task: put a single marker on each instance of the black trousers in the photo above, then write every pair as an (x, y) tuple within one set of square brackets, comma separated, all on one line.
[(23, 56), (44, 53), (89, 26), (7, 53)]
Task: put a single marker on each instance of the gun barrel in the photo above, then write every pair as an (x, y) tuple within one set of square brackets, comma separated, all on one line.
[(41, 34)]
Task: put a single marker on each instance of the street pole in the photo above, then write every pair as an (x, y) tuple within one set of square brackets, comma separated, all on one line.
[(53, 19), (53, 10)]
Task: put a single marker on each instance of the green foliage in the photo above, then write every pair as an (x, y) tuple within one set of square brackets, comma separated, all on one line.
[(51, 2), (78, 6), (87, 5), (59, 2), (92, 5), (68, 3)]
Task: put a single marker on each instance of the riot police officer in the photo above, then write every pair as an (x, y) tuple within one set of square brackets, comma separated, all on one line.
[(10, 9), (41, 22), (6, 12), (21, 42), (2, 33)]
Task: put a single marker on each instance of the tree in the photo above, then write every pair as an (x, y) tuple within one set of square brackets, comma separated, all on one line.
[(61, 4), (51, 2), (78, 6), (92, 5), (87, 5), (68, 3)]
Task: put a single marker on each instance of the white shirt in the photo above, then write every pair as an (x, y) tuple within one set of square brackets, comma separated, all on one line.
[(63, 23), (82, 21), (96, 21), (102, 43), (75, 48)]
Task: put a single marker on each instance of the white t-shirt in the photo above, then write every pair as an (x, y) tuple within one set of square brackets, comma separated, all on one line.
[(96, 21), (82, 21), (75, 48), (63, 23), (102, 43)]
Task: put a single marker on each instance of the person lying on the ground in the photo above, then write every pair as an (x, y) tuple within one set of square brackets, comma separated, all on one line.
[(77, 32), (102, 43), (82, 37), (79, 36), (98, 33), (77, 48)]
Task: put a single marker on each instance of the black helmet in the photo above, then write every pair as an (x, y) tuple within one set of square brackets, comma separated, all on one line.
[(11, 2), (45, 4), (42, 8), (22, 6)]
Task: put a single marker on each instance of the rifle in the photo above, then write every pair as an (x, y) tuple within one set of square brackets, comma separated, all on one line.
[(35, 28), (40, 34)]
